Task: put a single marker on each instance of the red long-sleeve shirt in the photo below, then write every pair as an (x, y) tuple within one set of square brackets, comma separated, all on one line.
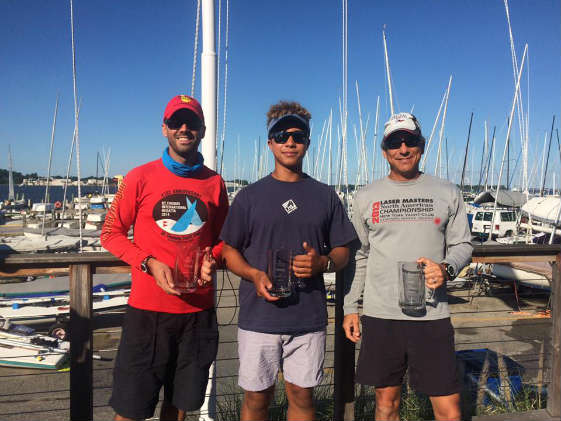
[(167, 212)]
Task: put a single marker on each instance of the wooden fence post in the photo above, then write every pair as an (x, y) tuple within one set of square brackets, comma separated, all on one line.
[(554, 388), (81, 343), (344, 364)]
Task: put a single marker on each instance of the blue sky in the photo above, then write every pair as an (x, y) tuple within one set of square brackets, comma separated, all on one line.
[(133, 56)]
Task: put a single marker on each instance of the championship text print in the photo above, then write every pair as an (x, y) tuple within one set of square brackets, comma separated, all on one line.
[(403, 210)]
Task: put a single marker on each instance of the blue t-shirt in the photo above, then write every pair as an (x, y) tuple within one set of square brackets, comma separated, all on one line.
[(272, 214)]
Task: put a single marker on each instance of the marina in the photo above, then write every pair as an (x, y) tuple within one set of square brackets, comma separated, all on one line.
[(479, 78)]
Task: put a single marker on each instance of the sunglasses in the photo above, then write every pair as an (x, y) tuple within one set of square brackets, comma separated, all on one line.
[(297, 137), (394, 142), (177, 123)]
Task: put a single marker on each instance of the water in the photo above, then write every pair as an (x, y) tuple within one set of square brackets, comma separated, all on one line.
[(37, 193)]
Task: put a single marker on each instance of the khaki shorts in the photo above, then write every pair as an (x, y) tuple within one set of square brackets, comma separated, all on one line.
[(262, 355)]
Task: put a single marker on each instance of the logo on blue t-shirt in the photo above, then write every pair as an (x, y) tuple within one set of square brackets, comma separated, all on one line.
[(289, 206), (180, 213)]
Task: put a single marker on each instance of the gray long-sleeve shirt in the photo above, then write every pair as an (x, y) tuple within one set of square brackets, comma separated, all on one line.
[(402, 221)]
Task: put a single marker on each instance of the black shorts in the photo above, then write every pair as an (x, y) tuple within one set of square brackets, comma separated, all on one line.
[(163, 349), (426, 348)]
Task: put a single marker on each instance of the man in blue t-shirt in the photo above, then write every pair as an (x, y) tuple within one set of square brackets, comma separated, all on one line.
[(291, 215)]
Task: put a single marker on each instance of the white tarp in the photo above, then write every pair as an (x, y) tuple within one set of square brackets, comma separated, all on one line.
[(506, 198), (545, 208)]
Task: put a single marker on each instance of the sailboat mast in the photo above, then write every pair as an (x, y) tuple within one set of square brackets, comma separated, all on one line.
[(547, 159), (388, 73), (447, 172), (374, 147), (208, 84), (441, 133), (507, 138), (427, 148), (466, 154), (11, 195), (76, 132), (481, 168), (491, 154)]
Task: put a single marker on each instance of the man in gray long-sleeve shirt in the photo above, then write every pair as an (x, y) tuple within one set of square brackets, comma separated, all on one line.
[(407, 216)]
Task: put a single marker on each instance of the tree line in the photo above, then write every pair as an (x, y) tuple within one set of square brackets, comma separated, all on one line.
[(19, 177)]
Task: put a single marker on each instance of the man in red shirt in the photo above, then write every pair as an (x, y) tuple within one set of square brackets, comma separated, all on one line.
[(177, 207)]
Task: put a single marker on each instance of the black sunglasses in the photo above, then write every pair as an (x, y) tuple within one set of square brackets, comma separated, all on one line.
[(176, 123), (283, 136), (394, 142)]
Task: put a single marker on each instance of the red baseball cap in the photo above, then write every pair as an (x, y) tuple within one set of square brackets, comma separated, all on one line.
[(184, 102)]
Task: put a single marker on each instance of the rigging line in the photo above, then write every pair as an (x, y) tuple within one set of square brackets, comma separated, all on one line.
[(547, 160), (491, 162), (441, 133), (526, 139), (374, 140), (466, 154), (76, 120), (507, 139), (447, 170), (11, 195), (519, 105), (196, 47), (360, 151), (316, 168), (72, 145), (324, 150), (427, 149), (226, 50), (481, 168), (49, 166), (515, 167)]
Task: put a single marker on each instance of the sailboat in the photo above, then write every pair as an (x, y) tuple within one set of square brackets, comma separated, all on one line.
[(13, 203)]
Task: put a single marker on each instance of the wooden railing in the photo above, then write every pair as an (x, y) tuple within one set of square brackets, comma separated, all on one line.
[(81, 267)]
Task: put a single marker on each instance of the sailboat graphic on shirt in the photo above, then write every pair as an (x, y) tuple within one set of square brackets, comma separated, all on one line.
[(180, 214), (189, 217)]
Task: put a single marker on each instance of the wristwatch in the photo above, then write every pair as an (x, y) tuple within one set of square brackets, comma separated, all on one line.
[(450, 271), (144, 264), (330, 267)]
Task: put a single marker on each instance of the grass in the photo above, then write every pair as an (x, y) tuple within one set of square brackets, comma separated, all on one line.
[(526, 399), (414, 406)]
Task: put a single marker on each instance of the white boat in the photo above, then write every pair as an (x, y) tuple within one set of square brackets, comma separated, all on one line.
[(74, 225), (29, 310), (42, 207), (95, 219), (32, 351), (96, 216), (110, 197), (542, 214), (80, 204), (530, 274), (28, 244)]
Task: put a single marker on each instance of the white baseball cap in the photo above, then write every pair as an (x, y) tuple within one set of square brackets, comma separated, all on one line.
[(402, 122)]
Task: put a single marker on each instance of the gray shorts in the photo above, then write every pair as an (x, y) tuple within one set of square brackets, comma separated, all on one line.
[(262, 355)]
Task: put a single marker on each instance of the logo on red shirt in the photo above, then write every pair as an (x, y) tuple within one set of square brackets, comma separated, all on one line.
[(180, 213)]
